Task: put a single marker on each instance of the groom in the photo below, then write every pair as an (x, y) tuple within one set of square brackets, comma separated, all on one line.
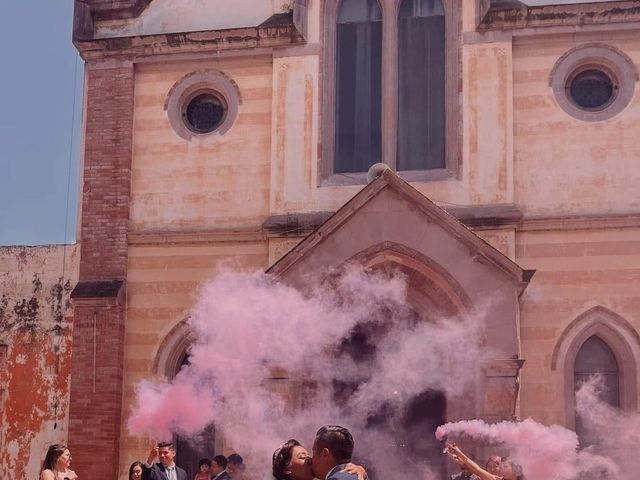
[(332, 449)]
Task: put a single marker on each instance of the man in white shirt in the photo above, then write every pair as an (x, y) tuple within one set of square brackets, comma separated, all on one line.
[(166, 469)]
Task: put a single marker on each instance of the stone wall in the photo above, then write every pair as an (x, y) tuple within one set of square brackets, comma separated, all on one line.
[(165, 274), (211, 182), (562, 165), (35, 353), (577, 271)]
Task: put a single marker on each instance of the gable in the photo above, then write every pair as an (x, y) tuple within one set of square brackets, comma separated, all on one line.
[(450, 271), (390, 210)]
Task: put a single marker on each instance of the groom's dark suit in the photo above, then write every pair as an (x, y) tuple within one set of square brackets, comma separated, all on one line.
[(159, 472), (336, 473)]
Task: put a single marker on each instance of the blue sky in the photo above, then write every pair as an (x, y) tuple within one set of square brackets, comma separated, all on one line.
[(39, 138)]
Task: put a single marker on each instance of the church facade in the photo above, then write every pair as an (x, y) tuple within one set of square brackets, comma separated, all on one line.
[(245, 132)]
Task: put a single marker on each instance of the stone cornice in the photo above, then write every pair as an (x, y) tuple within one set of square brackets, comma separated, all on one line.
[(117, 9), (477, 218), (280, 34), (580, 222), (192, 237), (87, 12), (514, 14)]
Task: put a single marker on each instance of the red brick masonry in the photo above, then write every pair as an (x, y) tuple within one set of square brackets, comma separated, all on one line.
[(98, 339)]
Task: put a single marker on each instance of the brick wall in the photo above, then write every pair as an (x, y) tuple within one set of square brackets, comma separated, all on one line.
[(107, 174), (96, 388), (98, 337)]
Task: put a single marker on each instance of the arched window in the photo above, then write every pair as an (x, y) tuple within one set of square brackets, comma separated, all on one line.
[(358, 86), (596, 358), (421, 85), (598, 341)]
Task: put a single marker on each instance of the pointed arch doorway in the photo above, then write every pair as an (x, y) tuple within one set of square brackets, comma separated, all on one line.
[(449, 269), (596, 359), (189, 450), (173, 355), (402, 430)]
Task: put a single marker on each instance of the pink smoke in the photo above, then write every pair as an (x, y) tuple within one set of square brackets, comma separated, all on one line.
[(265, 356), (552, 452), (616, 433), (543, 452), (163, 409)]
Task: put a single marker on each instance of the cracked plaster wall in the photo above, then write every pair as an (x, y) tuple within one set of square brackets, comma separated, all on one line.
[(35, 353)]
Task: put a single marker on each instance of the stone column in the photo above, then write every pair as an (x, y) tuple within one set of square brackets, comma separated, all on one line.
[(499, 391)]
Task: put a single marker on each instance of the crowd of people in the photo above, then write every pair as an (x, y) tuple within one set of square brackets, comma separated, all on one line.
[(330, 459), (217, 468), (57, 462)]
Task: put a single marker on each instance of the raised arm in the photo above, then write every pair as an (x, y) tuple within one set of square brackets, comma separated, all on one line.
[(460, 457), (153, 454)]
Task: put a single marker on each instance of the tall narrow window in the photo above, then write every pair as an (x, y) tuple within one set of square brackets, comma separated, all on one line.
[(358, 86), (596, 358), (421, 85)]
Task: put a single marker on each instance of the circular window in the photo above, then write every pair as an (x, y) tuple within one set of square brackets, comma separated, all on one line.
[(593, 82), (205, 112), (203, 104), (592, 89)]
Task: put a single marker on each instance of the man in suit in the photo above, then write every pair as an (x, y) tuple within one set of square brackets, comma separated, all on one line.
[(166, 469), (332, 450), (219, 468), (236, 467)]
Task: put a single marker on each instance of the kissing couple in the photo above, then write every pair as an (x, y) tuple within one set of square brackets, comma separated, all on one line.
[(332, 450)]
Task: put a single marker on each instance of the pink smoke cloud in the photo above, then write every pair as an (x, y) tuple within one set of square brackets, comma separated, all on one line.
[(266, 357), (615, 433), (553, 451), (542, 451), (164, 409)]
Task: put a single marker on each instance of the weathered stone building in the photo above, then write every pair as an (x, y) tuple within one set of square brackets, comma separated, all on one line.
[(230, 130), (35, 353)]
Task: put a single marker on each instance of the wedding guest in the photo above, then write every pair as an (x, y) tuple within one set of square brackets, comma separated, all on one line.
[(219, 468), (493, 464), (166, 468), (135, 471), (235, 466), (204, 468), (508, 470), (56, 464)]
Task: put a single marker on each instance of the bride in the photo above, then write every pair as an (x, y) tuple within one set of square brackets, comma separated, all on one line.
[(292, 462)]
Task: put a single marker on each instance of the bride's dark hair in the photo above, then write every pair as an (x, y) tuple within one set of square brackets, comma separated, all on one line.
[(282, 459), (53, 454)]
